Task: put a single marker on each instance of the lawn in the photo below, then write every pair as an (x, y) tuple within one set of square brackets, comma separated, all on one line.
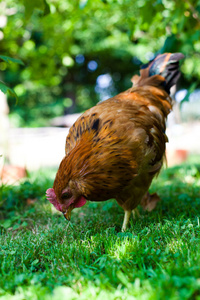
[(42, 256)]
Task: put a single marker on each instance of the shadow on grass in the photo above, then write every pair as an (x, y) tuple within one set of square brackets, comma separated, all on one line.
[(160, 250), (178, 188)]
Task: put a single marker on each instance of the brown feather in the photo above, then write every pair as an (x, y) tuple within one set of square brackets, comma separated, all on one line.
[(121, 156)]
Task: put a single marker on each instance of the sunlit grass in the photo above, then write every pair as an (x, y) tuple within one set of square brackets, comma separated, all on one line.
[(42, 256)]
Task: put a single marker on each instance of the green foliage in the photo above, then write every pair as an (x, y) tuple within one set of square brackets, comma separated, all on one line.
[(57, 39), (10, 59), (41, 5), (45, 257), (3, 87)]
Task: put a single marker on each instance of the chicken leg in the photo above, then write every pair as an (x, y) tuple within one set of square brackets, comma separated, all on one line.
[(136, 212), (127, 217)]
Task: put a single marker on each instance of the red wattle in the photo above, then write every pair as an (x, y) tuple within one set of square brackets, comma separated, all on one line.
[(81, 201)]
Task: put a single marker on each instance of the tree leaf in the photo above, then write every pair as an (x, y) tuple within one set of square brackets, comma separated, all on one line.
[(46, 8), (5, 89), (30, 7), (10, 59)]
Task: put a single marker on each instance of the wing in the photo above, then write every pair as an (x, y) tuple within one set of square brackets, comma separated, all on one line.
[(135, 119), (85, 123)]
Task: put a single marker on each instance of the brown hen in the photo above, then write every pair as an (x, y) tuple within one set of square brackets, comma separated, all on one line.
[(116, 148)]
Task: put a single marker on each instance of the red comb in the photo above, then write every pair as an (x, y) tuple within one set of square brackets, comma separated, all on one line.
[(51, 196)]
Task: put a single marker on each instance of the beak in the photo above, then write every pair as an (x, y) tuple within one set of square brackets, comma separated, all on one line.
[(67, 213)]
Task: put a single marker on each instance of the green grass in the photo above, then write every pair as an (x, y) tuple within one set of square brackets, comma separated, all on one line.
[(42, 256)]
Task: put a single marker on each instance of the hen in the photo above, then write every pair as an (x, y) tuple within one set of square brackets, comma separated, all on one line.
[(116, 148)]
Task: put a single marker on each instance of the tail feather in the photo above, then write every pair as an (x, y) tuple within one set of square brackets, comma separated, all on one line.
[(166, 65)]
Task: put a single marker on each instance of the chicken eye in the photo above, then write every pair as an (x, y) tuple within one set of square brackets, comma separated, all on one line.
[(66, 195)]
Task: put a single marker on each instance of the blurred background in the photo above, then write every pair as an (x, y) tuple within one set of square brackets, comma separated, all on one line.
[(75, 53)]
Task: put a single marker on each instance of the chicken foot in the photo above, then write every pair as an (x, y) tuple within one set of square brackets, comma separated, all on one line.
[(136, 212), (127, 217)]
